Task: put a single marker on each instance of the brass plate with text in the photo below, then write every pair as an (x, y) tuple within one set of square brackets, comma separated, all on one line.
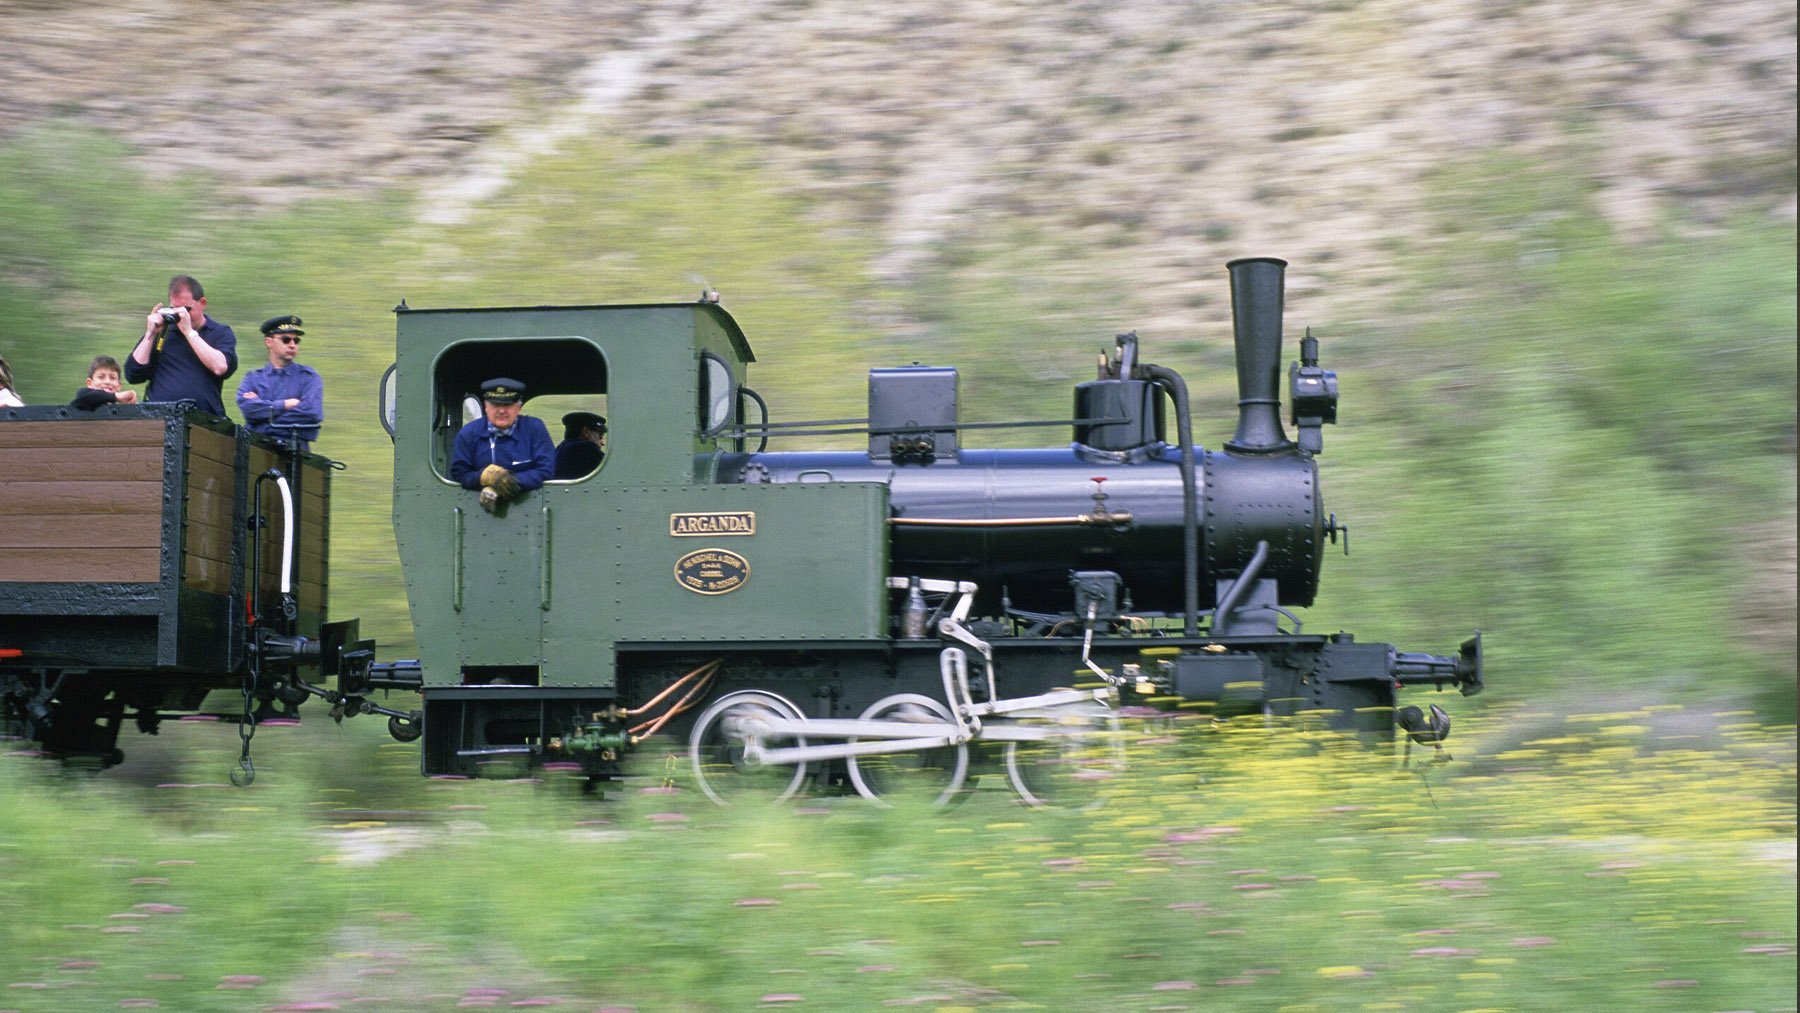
[(712, 571), (712, 524)]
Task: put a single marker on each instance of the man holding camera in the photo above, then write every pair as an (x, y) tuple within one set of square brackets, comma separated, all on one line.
[(184, 355)]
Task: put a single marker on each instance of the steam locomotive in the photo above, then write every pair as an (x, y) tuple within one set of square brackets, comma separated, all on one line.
[(883, 619)]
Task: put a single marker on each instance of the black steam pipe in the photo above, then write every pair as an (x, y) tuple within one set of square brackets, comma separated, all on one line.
[(1172, 382), (1221, 623), (1256, 303)]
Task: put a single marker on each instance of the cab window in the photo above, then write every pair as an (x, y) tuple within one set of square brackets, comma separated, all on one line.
[(716, 392), (562, 375)]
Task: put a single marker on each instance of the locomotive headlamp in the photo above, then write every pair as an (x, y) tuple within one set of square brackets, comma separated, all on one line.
[(1312, 395)]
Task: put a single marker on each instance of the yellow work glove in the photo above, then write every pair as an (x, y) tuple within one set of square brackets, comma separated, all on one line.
[(500, 480)]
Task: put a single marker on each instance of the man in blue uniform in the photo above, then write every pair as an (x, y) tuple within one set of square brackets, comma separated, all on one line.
[(583, 446), (283, 399), (503, 453), (184, 355)]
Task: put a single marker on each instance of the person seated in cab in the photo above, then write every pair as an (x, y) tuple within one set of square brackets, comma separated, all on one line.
[(583, 446), (503, 453)]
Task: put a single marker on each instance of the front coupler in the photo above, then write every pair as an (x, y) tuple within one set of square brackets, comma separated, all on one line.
[(352, 661)]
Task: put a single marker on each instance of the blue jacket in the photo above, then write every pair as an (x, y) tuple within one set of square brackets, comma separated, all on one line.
[(525, 450), (176, 373), (575, 458), (264, 412)]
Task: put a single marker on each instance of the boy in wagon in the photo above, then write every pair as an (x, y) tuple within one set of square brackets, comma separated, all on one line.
[(103, 386)]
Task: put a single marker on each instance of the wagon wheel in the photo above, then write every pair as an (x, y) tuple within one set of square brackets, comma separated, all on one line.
[(937, 773), (1080, 754), (716, 749)]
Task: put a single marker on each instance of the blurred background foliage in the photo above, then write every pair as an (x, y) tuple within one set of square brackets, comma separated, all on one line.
[(1582, 445)]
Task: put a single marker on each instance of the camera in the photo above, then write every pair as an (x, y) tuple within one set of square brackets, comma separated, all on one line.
[(170, 316)]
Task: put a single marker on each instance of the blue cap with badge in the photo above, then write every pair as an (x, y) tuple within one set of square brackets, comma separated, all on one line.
[(502, 390), (289, 324)]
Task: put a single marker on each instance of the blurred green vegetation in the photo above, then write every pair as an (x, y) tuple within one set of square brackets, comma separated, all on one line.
[(1584, 445), (1580, 444), (1641, 858)]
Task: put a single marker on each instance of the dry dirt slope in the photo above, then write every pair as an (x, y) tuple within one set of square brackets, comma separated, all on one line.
[(1176, 134)]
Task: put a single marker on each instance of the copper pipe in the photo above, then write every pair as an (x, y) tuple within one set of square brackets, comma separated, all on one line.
[(650, 728), (706, 669)]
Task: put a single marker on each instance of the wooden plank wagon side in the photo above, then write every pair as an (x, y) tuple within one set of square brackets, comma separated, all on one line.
[(127, 536)]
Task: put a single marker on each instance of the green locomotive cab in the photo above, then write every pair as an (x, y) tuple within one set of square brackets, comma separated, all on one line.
[(521, 615)]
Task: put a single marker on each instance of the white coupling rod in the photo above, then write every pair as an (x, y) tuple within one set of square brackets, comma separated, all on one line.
[(788, 755)]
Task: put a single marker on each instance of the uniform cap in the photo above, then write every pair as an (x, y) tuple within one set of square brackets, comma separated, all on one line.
[(502, 390), (289, 324), (575, 422)]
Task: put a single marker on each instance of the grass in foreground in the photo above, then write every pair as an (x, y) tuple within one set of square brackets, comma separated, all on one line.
[(1642, 858)]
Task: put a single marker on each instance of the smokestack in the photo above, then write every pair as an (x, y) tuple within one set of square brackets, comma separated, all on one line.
[(1256, 296)]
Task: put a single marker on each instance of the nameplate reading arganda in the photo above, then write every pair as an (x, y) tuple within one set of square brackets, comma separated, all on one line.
[(712, 524)]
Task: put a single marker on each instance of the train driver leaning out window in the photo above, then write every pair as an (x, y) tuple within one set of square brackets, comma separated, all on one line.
[(503, 453), (583, 446)]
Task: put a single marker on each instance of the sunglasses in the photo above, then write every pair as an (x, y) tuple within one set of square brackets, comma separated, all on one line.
[(287, 339)]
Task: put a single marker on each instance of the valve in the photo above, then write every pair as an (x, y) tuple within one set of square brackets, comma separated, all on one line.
[(603, 736), (1332, 527)]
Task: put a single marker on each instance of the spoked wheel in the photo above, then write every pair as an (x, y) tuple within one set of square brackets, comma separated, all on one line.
[(936, 773), (716, 749), (1079, 754)]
